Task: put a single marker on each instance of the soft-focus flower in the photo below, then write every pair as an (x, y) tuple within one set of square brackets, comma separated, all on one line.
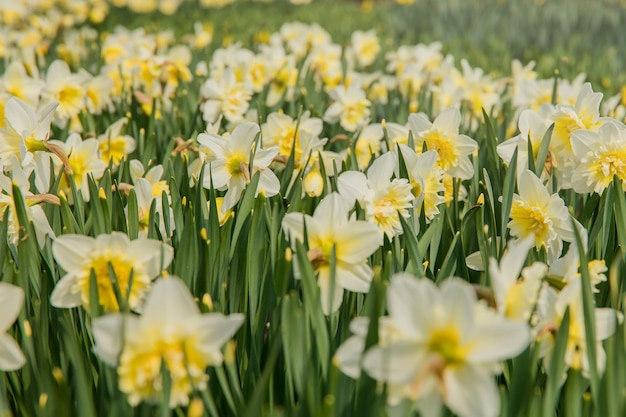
[(25, 130), (34, 211), (172, 333), (551, 309), (283, 131), (442, 346), (533, 126), (226, 96), (516, 296), (352, 240), (84, 161), (426, 179), (368, 144), (600, 156), (567, 266), (68, 89), (350, 107), (535, 211), (443, 136), (366, 47), (383, 199), (230, 170), (149, 188), (11, 301), (114, 145), (135, 262), (585, 115), (18, 83)]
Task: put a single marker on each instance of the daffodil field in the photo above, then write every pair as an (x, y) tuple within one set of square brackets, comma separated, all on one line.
[(312, 208)]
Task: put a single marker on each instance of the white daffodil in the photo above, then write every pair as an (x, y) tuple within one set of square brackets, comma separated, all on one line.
[(515, 296), (383, 199), (227, 97), (230, 170), (68, 89), (149, 187), (11, 301), (16, 82), (353, 241), (585, 115), (366, 47), (535, 211), (551, 309), (283, 131), (113, 145), (368, 144), (567, 266), (135, 262), (600, 156), (33, 209), (84, 161), (25, 130), (442, 346), (426, 179), (350, 107), (533, 126), (171, 331), (443, 136)]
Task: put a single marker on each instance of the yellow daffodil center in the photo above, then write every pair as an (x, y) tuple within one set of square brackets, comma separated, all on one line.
[(113, 149), (432, 198), (386, 209), (121, 266), (355, 112), (517, 303), (33, 144), (70, 97), (446, 343), (436, 140), (608, 164), (563, 128), (140, 367), (286, 142), (321, 252), (79, 163), (234, 164), (542, 99), (159, 187), (531, 220)]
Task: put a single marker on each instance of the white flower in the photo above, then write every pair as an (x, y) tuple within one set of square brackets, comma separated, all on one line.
[(366, 47), (442, 346), (11, 301), (231, 169), (78, 255), (85, 161), (34, 211), (426, 179), (535, 211), (113, 145), (353, 240), (350, 107), (66, 88), (171, 331), (515, 296), (227, 97), (283, 131), (26, 130), (383, 199), (551, 309), (443, 136), (533, 126), (600, 156)]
